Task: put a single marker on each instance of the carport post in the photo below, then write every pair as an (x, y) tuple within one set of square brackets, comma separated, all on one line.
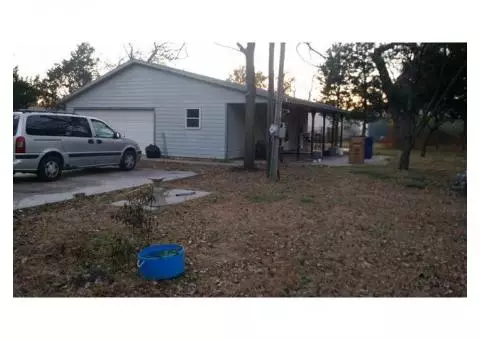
[(332, 135), (341, 130), (323, 136), (312, 133)]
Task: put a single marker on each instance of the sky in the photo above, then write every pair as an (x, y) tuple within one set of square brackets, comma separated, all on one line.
[(205, 58)]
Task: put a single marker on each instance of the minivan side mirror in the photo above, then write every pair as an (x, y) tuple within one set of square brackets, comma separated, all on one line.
[(117, 135)]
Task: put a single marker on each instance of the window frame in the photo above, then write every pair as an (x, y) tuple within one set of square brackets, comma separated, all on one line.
[(199, 118), (92, 120)]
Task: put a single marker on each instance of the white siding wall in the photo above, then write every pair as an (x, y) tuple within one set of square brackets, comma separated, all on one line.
[(236, 128), (235, 131), (140, 87)]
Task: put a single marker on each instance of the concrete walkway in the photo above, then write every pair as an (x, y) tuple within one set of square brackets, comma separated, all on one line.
[(193, 162), (343, 161), (330, 161), (29, 192)]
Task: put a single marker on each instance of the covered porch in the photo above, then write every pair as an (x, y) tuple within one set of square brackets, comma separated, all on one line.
[(313, 129)]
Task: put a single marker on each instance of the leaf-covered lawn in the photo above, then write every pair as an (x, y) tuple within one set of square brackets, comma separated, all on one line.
[(359, 231)]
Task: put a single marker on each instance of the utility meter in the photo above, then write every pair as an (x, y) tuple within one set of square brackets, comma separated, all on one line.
[(282, 132), (273, 130)]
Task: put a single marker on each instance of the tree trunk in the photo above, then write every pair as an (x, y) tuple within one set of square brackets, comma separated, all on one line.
[(404, 163), (249, 158), (406, 131), (425, 142), (397, 140), (271, 103)]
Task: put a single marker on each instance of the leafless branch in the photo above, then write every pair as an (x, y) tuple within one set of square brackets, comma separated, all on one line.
[(437, 90), (129, 52), (241, 48), (230, 47), (450, 85), (314, 50), (301, 57), (182, 48)]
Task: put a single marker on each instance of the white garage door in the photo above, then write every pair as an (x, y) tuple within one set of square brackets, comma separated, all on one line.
[(136, 125)]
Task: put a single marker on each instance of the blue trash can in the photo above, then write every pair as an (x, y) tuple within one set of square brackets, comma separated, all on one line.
[(161, 262), (368, 147)]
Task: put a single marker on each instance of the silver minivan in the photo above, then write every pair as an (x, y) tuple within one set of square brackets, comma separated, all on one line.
[(46, 143)]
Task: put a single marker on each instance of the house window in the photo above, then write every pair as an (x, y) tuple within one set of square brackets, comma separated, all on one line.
[(192, 119)]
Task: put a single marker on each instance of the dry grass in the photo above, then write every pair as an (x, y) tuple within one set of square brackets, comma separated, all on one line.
[(359, 231)]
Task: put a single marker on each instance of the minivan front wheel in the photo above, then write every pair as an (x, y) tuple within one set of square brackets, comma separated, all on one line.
[(129, 160), (50, 168)]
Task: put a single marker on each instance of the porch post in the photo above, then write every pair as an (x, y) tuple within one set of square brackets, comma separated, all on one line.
[(299, 129), (341, 130), (323, 135), (332, 135), (312, 133)]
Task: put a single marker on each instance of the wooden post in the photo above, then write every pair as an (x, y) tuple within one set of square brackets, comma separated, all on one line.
[(271, 104), (332, 134), (278, 112), (312, 133), (323, 136), (299, 129), (341, 130)]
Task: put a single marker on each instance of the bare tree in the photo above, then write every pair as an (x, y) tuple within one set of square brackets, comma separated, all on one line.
[(249, 157), (161, 53), (249, 52)]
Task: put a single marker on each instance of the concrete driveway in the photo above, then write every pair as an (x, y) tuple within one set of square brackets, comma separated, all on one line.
[(30, 192)]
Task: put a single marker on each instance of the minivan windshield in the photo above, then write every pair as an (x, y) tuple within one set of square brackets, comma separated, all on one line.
[(16, 118)]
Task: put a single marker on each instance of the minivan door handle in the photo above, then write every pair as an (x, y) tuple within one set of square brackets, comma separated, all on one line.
[(90, 141), (99, 141)]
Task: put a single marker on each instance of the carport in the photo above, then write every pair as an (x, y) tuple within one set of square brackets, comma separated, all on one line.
[(303, 142), (299, 142)]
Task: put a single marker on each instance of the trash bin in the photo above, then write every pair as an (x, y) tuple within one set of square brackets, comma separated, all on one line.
[(368, 147)]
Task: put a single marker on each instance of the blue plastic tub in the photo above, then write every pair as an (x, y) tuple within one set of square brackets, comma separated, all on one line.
[(161, 262)]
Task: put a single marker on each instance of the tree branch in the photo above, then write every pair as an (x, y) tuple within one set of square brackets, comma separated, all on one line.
[(314, 50), (241, 48), (310, 50), (437, 90), (230, 47), (180, 50), (452, 82), (382, 67), (377, 58), (130, 52)]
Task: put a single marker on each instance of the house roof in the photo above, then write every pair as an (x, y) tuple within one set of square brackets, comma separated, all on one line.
[(222, 83)]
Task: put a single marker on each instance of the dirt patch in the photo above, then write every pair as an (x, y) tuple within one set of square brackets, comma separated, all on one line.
[(317, 232)]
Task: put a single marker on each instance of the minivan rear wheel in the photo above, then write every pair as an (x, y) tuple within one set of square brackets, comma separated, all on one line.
[(129, 160), (50, 168)]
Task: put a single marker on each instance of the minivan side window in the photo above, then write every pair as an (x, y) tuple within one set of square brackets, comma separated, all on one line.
[(47, 125), (79, 127), (102, 130)]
